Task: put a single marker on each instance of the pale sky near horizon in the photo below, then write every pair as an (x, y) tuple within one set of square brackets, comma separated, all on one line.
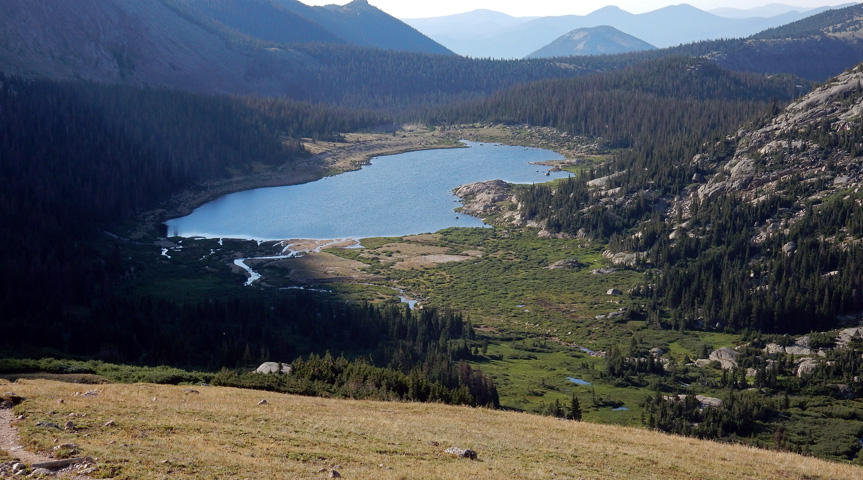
[(536, 8)]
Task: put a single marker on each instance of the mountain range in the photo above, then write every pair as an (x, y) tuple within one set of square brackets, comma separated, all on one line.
[(224, 46), (770, 10), (602, 40), (507, 37), (287, 49)]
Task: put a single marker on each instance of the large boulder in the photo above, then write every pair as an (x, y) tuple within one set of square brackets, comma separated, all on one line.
[(274, 367), (846, 336), (798, 350), (807, 366), (795, 349), (727, 357), (462, 452)]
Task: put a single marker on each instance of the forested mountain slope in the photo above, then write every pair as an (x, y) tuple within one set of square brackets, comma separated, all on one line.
[(491, 34), (74, 158), (366, 25), (757, 229), (285, 23), (174, 43), (785, 209), (291, 21), (127, 41), (171, 43), (816, 48)]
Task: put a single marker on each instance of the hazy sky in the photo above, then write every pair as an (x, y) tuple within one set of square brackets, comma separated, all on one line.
[(523, 8)]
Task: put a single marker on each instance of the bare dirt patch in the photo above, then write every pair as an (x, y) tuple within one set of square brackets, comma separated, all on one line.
[(321, 267), (424, 238), (426, 261), (308, 246)]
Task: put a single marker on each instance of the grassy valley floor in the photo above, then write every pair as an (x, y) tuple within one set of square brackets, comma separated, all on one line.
[(212, 432)]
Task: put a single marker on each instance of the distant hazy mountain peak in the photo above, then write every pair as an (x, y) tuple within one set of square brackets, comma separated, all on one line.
[(601, 40), (483, 34), (610, 9)]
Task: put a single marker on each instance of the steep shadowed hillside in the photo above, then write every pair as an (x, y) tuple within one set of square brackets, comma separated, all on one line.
[(817, 47), (291, 21), (365, 25), (267, 21), (172, 43), (135, 42)]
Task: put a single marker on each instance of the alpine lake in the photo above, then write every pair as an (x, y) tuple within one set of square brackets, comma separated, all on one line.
[(396, 195), (390, 232)]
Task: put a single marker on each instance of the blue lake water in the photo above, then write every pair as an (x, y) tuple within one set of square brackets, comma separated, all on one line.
[(395, 195), (578, 381)]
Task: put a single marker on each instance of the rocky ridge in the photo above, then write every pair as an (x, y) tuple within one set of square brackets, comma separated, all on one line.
[(481, 199), (806, 356), (805, 145)]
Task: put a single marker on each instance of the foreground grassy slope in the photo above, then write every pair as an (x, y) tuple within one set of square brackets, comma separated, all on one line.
[(173, 432)]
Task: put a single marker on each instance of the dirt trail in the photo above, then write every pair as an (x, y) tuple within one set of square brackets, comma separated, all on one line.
[(10, 442)]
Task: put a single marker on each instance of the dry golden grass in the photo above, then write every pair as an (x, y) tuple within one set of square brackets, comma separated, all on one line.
[(320, 266), (167, 432)]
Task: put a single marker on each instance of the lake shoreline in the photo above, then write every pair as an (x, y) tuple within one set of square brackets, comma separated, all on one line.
[(328, 158), (331, 158)]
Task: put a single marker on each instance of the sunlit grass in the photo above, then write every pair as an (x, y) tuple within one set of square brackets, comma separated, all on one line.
[(170, 432)]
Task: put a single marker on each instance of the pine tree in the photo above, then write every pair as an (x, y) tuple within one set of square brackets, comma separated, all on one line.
[(574, 409)]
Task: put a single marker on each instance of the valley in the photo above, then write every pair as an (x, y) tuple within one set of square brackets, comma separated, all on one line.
[(673, 289)]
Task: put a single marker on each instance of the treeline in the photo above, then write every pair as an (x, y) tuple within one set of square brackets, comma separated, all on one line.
[(325, 69), (436, 380), (398, 354), (798, 278), (412, 83), (836, 20), (662, 115)]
